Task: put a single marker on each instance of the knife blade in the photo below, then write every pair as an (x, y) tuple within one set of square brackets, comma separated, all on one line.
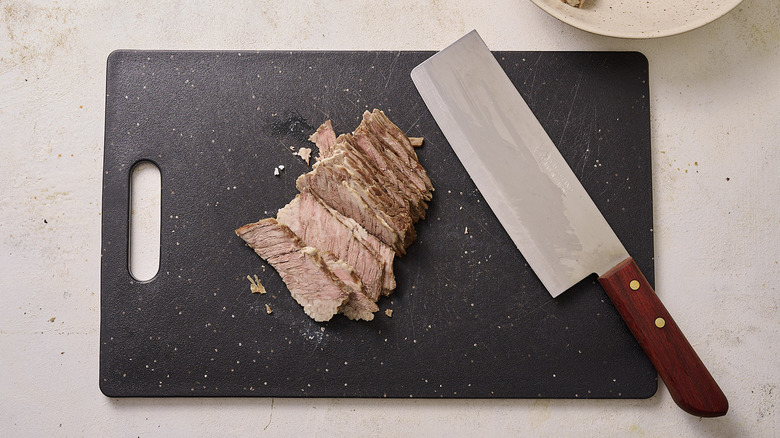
[(547, 212)]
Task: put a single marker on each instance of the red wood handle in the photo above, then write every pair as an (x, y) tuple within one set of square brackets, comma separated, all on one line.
[(690, 384)]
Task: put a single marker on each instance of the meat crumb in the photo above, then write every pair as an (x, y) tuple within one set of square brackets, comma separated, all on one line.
[(416, 141), (268, 309), (389, 313), (305, 154), (256, 287)]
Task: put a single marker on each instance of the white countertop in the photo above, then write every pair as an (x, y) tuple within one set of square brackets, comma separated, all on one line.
[(715, 120)]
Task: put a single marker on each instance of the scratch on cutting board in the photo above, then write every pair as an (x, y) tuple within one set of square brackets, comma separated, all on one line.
[(584, 159), (390, 70), (327, 116), (539, 307), (533, 78), (314, 334), (571, 108), (352, 101), (414, 123), (489, 350)]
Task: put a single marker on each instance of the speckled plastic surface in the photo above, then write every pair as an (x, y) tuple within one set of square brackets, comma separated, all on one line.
[(470, 319)]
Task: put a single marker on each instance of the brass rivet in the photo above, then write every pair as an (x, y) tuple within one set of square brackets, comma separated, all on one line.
[(634, 285), (660, 323)]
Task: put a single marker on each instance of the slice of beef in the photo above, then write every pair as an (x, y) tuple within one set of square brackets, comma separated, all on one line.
[(324, 138), (327, 229), (377, 123), (346, 187), (311, 283), (358, 306), (388, 164), (384, 252), (341, 196), (379, 155), (377, 176), (386, 170), (392, 203), (401, 161)]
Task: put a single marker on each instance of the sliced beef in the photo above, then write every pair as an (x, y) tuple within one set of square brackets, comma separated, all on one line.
[(346, 187), (406, 178), (389, 166), (329, 230), (335, 243), (377, 123), (347, 200), (311, 283), (385, 254), (324, 138), (358, 306), (393, 203), (384, 176)]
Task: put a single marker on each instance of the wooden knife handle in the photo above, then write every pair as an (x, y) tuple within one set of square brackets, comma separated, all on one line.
[(690, 384)]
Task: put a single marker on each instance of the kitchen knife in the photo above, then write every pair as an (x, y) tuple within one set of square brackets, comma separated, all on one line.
[(546, 211)]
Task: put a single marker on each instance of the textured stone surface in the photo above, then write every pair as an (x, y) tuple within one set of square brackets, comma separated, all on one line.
[(714, 99)]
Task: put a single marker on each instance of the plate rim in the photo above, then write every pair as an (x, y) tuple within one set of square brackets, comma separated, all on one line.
[(545, 5)]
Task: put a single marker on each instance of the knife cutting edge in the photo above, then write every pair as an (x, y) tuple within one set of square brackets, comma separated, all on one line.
[(547, 212)]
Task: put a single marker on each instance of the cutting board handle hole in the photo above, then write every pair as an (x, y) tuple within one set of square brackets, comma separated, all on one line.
[(143, 258)]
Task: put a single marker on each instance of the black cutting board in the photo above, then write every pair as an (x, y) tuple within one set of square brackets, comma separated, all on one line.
[(470, 317)]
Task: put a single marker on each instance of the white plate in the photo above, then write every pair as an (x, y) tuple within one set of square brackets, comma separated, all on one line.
[(638, 18)]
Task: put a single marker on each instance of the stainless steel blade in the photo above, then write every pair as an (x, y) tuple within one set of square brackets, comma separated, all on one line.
[(522, 175)]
